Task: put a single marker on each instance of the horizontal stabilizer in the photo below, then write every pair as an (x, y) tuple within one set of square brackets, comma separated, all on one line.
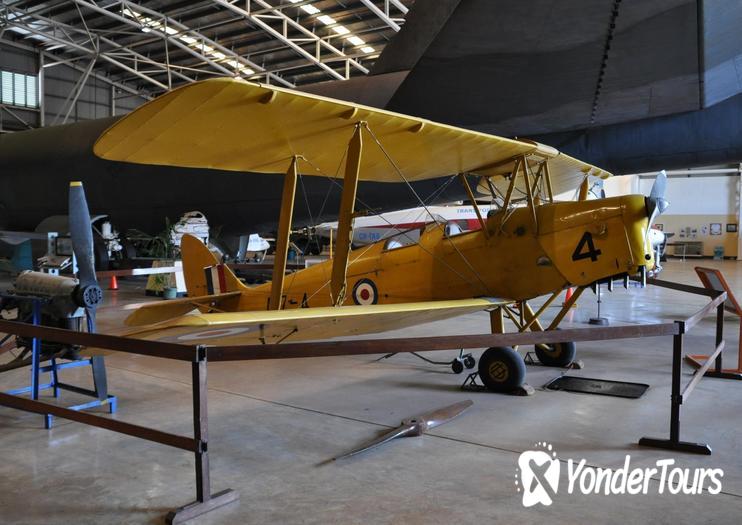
[(158, 312)]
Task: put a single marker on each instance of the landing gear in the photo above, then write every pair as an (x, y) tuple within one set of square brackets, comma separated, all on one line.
[(457, 364), (556, 354), (502, 369)]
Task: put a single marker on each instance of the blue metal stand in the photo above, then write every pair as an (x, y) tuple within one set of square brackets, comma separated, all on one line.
[(53, 369)]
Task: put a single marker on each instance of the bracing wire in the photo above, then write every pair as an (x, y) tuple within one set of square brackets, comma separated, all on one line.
[(399, 231), (417, 196), (407, 237)]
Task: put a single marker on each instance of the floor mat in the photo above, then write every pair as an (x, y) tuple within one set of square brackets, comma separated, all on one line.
[(602, 387)]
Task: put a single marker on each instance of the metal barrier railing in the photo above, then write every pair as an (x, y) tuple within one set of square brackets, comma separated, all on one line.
[(199, 356), (678, 397), (198, 444)]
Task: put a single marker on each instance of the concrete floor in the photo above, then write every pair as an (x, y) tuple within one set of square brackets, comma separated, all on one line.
[(274, 425)]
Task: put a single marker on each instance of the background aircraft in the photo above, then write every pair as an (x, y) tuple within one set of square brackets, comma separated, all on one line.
[(630, 86), (367, 230)]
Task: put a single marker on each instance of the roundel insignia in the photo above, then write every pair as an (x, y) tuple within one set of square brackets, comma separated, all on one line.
[(365, 292)]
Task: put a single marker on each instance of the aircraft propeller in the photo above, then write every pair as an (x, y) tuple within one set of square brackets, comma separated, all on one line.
[(656, 202), (414, 426), (656, 205), (88, 294)]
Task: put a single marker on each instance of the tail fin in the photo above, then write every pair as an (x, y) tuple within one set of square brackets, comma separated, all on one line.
[(204, 274)]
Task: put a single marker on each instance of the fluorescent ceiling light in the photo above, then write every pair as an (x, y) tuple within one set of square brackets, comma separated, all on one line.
[(336, 28), (326, 19), (310, 9), (148, 24), (240, 67)]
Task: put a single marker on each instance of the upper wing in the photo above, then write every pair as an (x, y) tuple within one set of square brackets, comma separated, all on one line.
[(231, 124), (302, 324)]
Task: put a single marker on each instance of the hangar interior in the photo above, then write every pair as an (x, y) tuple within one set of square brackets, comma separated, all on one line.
[(307, 198)]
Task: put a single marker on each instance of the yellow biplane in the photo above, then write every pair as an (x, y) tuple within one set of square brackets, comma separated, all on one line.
[(535, 248)]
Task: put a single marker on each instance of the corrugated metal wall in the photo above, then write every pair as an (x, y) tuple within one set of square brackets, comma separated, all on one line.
[(59, 82)]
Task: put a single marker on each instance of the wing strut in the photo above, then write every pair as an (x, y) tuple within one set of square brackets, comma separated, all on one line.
[(531, 182), (584, 188), (284, 232), (547, 174), (529, 194), (474, 204), (345, 218)]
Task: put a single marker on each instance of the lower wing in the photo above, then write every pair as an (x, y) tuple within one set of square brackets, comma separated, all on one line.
[(302, 324)]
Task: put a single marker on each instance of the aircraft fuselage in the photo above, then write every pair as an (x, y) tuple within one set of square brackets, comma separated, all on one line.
[(568, 244)]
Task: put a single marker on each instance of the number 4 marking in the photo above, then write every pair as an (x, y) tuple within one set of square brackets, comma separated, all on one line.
[(586, 242)]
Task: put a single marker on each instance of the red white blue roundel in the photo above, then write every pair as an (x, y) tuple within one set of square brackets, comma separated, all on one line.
[(365, 292)]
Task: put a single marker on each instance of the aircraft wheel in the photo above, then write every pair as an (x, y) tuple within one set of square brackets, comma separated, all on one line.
[(557, 354), (457, 366), (470, 362), (102, 260), (502, 369)]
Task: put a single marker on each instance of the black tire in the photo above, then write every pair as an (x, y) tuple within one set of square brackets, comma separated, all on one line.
[(470, 362), (303, 245), (102, 261), (559, 354), (314, 247), (457, 366), (502, 369), (130, 251)]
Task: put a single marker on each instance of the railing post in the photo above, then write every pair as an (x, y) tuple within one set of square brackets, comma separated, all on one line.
[(201, 425), (675, 397), (205, 501), (35, 350)]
